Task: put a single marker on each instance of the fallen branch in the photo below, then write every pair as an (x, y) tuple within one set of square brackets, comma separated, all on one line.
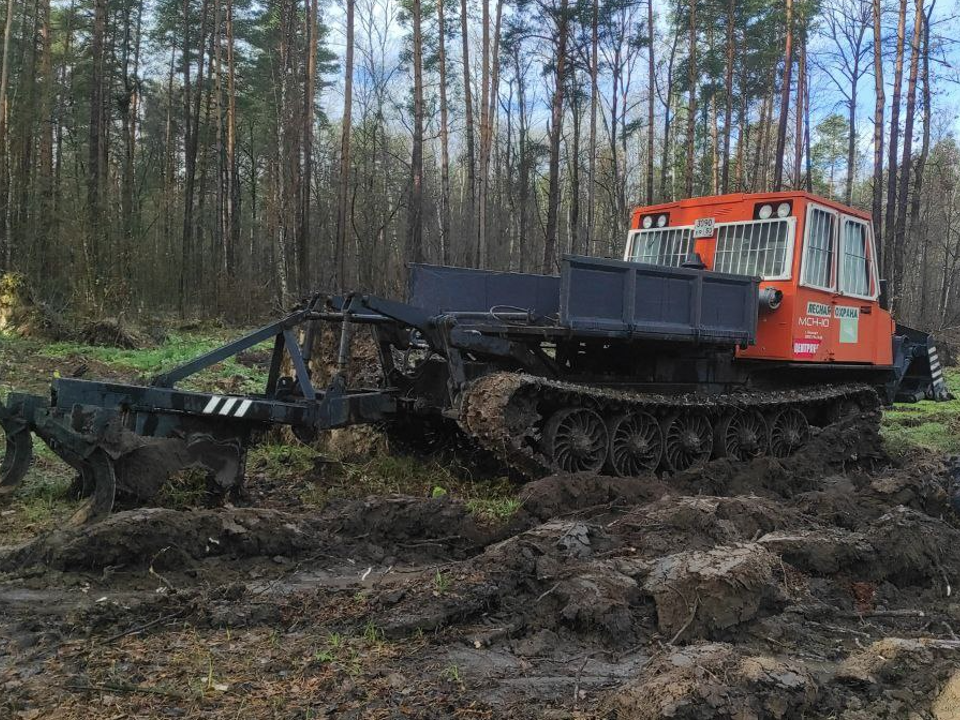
[(136, 689)]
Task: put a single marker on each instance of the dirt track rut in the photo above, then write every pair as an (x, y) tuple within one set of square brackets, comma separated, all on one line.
[(818, 586)]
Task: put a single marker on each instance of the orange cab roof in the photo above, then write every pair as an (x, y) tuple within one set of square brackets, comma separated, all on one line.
[(735, 198)]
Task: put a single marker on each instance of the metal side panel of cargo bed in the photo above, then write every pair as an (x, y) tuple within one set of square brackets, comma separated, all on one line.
[(438, 290), (618, 298)]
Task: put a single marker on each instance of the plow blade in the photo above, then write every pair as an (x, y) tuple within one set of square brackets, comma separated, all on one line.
[(919, 367), (17, 456), (99, 487), (27, 415)]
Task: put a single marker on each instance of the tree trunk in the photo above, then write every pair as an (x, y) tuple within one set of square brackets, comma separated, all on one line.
[(901, 221), (444, 139), (594, 101), (414, 241), (191, 124), (728, 97), (231, 230), (524, 162), (798, 127), (468, 129), (915, 228), (694, 82), (309, 112), (651, 92), (784, 102), (877, 205), (95, 135), (852, 136), (556, 127), (488, 104), (668, 159), (574, 160), (46, 214), (6, 243), (806, 138), (890, 217), (346, 126)]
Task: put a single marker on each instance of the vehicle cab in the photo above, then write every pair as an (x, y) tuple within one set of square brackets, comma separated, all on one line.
[(816, 260)]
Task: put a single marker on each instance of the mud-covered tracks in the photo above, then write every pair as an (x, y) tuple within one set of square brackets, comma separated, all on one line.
[(538, 425)]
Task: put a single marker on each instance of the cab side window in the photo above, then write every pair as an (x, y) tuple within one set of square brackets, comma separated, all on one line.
[(855, 261), (819, 249)]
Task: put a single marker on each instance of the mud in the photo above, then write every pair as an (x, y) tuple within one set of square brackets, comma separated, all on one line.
[(823, 588)]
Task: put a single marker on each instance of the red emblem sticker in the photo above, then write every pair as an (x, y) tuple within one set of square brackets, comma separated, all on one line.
[(806, 347)]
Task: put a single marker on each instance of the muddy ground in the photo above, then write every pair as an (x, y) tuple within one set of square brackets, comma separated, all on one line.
[(820, 586)]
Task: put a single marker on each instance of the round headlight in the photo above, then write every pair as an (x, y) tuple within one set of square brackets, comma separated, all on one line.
[(648, 222), (662, 221), (783, 209), (765, 211)]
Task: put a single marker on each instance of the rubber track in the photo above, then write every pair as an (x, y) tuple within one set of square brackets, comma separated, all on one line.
[(501, 410)]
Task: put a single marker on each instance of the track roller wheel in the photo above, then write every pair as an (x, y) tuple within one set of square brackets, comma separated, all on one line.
[(742, 435), (575, 440), (687, 440), (636, 444), (788, 431), (17, 456)]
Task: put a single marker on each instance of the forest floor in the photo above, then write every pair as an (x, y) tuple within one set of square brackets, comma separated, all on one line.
[(355, 584)]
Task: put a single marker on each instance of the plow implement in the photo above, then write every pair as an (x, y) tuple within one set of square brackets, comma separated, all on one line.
[(128, 439)]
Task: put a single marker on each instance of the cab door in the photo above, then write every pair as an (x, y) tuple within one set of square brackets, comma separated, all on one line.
[(839, 319), (815, 331), (860, 323)]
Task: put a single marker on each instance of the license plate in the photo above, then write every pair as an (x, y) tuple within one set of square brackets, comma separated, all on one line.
[(704, 227)]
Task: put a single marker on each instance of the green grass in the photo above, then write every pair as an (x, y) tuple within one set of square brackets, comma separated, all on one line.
[(323, 479), (494, 509), (176, 349), (42, 499), (926, 425), (49, 359)]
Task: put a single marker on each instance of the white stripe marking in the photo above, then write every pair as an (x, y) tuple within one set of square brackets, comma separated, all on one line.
[(212, 405), (934, 366), (242, 410), (225, 410), (932, 350)]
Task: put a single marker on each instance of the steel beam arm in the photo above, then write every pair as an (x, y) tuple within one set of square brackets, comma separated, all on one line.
[(171, 378)]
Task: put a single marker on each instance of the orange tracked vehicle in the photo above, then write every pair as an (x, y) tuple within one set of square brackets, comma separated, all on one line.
[(731, 326)]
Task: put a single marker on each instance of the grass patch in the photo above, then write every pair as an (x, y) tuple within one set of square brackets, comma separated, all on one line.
[(41, 501), (111, 363), (176, 349), (185, 489), (280, 461), (494, 509), (491, 500), (926, 425)]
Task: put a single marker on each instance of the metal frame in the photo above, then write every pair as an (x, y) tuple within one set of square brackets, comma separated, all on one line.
[(805, 255), (634, 235), (789, 253), (871, 259)]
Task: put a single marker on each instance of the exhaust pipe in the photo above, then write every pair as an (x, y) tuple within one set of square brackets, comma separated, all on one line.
[(770, 298)]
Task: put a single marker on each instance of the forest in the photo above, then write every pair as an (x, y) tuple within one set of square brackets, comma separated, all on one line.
[(221, 158)]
